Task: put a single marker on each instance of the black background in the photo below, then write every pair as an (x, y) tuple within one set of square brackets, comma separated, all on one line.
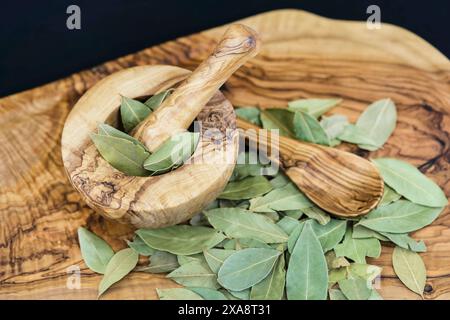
[(36, 47)]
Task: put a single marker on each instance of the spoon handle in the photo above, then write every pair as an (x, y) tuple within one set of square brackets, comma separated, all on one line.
[(176, 113), (290, 151)]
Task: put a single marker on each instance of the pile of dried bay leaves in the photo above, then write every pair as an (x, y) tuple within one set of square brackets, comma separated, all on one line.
[(263, 239)]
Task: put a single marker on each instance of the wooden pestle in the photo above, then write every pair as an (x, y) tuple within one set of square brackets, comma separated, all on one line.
[(178, 111), (337, 181)]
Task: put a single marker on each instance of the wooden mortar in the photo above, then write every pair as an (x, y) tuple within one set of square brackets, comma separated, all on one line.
[(174, 197)]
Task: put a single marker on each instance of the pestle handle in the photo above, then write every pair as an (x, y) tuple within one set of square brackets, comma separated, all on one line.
[(178, 111)]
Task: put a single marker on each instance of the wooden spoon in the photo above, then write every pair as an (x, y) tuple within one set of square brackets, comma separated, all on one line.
[(337, 181)]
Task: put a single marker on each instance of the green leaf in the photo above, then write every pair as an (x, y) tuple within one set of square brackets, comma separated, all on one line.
[(400, 217), (284, 198), (379, 121), (246, 189), (107, 130), (247, 164), (216, 257), (410, 269), (155, 101), (246, 268), (389, 196), (208, 294), (140, 247), (317, 214), (406, 242), (194, 239), (173, 152), (95, 251), (307, 273), (360, 232), (358, 249), (177, 294), (240, 223), (244, 243), (187, 259), (363, 271), (241, 295), (307, 128), (132, 112), (124, 155), (314, 107), (195, 274), (118, 267), (336, 294), (336, 275), (374, 295), (334, 262), (330, 234), (354, 134), (288, 224), (251, 114), (293, 237), (279, 119), (161, 262), (355, 289), (272, 287), (408, 181), (334, 125), (279, 181)]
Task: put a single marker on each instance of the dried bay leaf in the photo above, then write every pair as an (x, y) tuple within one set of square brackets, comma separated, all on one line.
[(251, 243), (334, 125), (155, 101), (308, 129), (208, 293), (246, 268), (195, 274), (358, 249), (307, 273), (247, 165), (379, 121), (355, 289), (241, 223), (374, 295), (284, 198), (247, 188), (161, 262), (406, 242), (132, 113), (334, 262), (95, 251), (177, 294), (293, 237), (279, 181), (107, 130), (335, 275), (410, 269), (408, 181), (124, 155), (187, 259), (363, 271), (272, 287), (288, 224), (279, 119), (330, 234), (194, 239), (251, 114), (356, 135), (241, 295), (389, 196), (336, 294), (360, 232), (400, 217), (216, 257), (317, 214), (314, 107), (140, 247), (118, 267), (173, 152)]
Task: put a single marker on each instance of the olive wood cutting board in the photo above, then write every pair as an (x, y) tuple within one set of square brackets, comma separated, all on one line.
[(302, 56)]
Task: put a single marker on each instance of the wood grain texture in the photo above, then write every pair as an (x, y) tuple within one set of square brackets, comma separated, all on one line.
[(303, 56), (337, 181)]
